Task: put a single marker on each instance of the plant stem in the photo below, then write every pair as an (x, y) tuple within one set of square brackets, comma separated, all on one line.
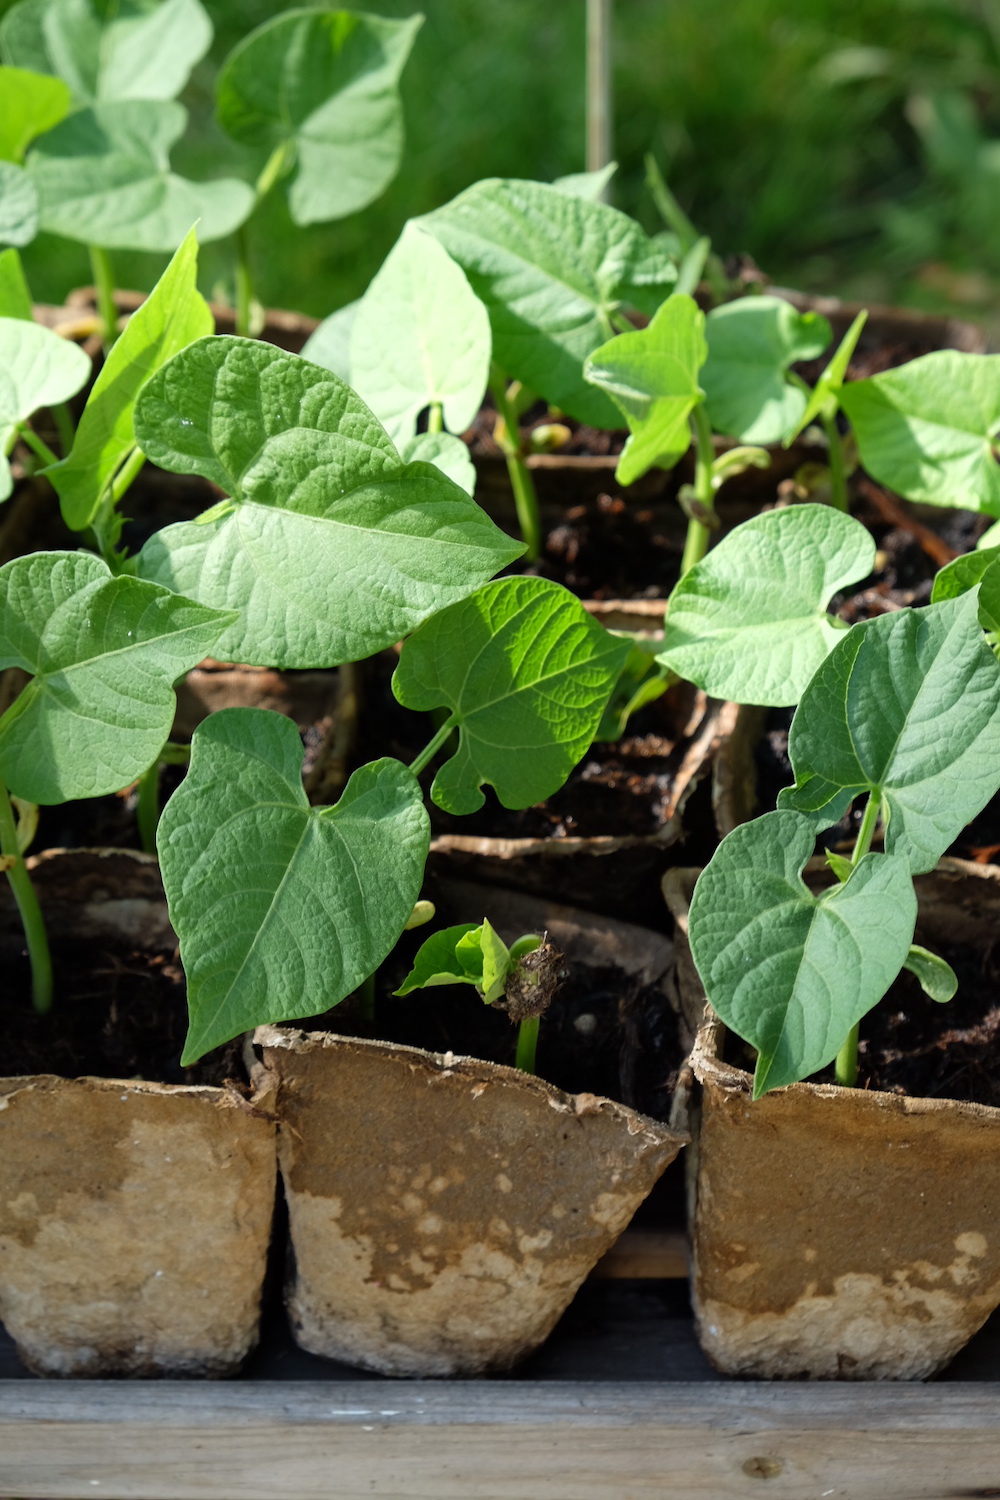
[(838, 468), (104, 280), (525, 499), (275, 167), (107, 524), (429, 751), (527, 1044), (147, 810), (435, 417), (37, 446), (696, 542), (244, 285), (846, 1066), (598, 85), (27, 904)]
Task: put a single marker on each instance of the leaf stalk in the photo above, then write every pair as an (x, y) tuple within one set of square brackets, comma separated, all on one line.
[(846, 1066), (429, 751), (696, 542), (27, 904), (104, 281), (525, 498)]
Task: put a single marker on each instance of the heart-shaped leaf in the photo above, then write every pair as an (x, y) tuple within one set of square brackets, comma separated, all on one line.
[(37, 368), (446, 452), (907, 708), (325, 85), (751, 344), (282, 909), (552, 269), (19, 210), (104, 654), (790, 972), (652, 375), (332, 547), (103, 176), (15, 298), (32, 104), (526, 673), (132, 51), (749, 622), (173, 316), (421, 336), (927, 429)]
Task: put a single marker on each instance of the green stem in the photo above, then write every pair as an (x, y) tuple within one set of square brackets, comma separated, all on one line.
[(244, 285), (275, 167), (838, 468), (696, 542), (846, 1066), (431, 749), (527, 1044), (526, 501), (65, 426), (598, 85), (104, 280), (107, 524), (435, 417), (147, 810), (37, 446), (27, 904)]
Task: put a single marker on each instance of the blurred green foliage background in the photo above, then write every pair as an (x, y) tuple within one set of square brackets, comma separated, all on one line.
[(849, 146)]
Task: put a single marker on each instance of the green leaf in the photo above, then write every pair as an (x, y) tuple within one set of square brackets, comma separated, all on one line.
[(323, 84), (841, 867), (133, 50), (826, 393), (103, 653), (37, 368), (990, 538), (937, 977), (790, 972), (906, 707), (963, 573), (526, 673), (497, 963), (927, 429), (749, 621), (438, 961), (751, 344), (15, 297), (282, 909), (640, 682), (989, 598), (173, 315), (103, 176), (589, 185), (421, 336), (330, 344), (445, 452), (332, 548), (652, 375), (18, 206), (32, 104), (551, 268)]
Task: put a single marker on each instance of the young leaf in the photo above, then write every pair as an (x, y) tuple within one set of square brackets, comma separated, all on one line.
[(173, 316), (749, 622), (989, 600), (588, 185), (963, 573), (32, 104), (551, 268), (790, 972), (937, 977), (19, 211), (439, 961), (421, 336), (131, 51), (446, 452), (282, 909), (323, 85), (906, 707), (927, 429), (526, 673), (15, 298), (332, 547), (751, 344), (103, 176), (103, 653), (826, 393), (330, 344), (652, 375), (37, 368)]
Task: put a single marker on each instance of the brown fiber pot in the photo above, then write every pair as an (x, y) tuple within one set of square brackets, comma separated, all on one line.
[(135, 1217), (842, 1233), (443, 1211)]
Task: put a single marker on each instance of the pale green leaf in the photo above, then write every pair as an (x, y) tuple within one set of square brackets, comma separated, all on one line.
[(497, 963), (32, 104), (749, 622), (332, 548), (421, 336), (791, 973), (526, 673), (751, 343), (282, 909), (552, 269), (937, 977), (15, 297), (134, 50), (589, 185), (103, 176), (324, 84), (439, 961), (173, 316), (447, 452), (652, 375), (19, 210), (826, 393), (103, 654), (927, 429), (906, 707), (330, 344), (37, 368)]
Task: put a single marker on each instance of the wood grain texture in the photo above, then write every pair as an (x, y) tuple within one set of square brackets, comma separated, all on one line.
[(511, 1440)]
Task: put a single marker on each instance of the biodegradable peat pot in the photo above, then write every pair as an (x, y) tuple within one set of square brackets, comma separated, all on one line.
[(443, 1211), (842, 1233), (135, 1217)]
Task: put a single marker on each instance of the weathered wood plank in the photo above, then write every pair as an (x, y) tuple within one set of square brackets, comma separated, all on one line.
[(500, 1440)]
